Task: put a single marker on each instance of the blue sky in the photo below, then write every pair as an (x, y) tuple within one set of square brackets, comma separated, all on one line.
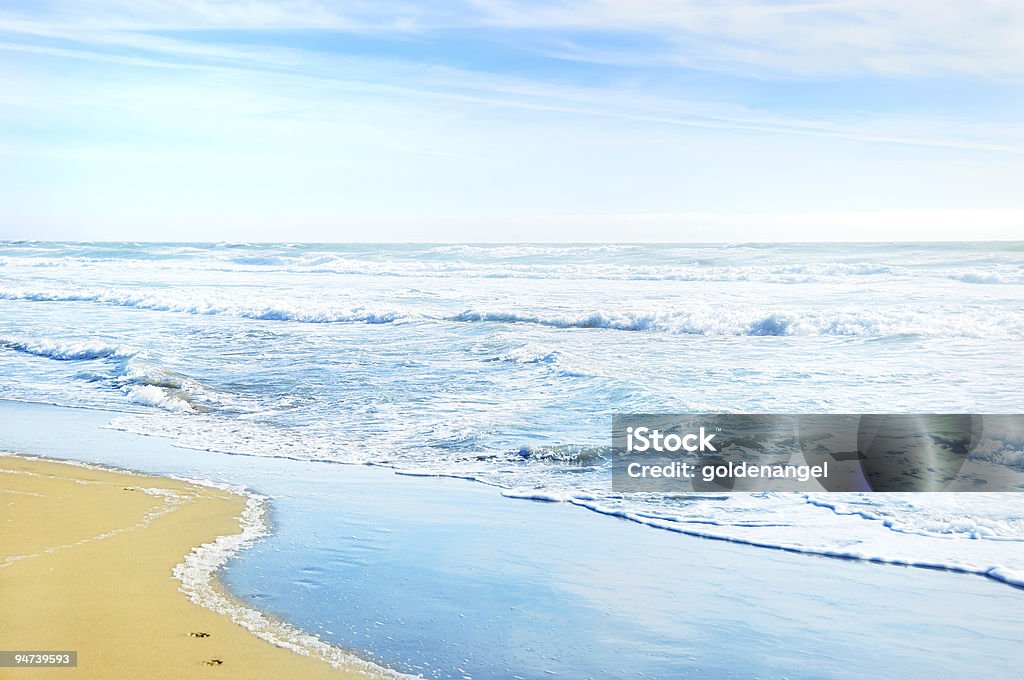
[(488, 120)]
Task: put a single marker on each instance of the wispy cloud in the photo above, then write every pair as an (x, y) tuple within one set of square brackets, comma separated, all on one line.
[(134, 43), (475, 110), (809, 38)]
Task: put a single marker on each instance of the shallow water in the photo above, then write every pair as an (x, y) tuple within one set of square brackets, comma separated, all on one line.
[(448, 578)]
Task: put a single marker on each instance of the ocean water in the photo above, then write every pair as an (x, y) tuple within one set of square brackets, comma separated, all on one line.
[(445, 578), (503, 364)]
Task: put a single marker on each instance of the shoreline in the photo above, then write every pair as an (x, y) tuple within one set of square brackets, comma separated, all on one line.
[(121, 568), (445, 577)]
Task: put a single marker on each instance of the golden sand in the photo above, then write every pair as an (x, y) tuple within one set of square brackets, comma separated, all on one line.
[(86, 557)]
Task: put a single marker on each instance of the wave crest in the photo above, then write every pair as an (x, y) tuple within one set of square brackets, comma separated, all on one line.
[(62, 350)]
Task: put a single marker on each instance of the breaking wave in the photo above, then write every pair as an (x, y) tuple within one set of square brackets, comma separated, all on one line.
[(62, 350), (700, 320), (739, 322)]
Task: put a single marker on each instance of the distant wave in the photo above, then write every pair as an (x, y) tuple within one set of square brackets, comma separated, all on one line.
[(354, 315), (609, 263), (987, 277), (593, 270), (743, 323), (714, 321), (195, 304), (529, 250)]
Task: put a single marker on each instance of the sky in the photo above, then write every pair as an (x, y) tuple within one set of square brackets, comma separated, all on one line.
[(501, 121)]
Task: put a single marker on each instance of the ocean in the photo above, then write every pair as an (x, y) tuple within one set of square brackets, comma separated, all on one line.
[(503, 364)]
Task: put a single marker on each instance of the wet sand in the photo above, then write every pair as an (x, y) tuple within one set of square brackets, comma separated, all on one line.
[(86, 561)]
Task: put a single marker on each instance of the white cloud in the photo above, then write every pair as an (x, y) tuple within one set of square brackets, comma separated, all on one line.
[(108, 125), (769, 38), (809, 38), (294, 69)]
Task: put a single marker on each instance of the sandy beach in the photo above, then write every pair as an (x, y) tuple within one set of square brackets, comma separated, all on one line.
[(86, 565)]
